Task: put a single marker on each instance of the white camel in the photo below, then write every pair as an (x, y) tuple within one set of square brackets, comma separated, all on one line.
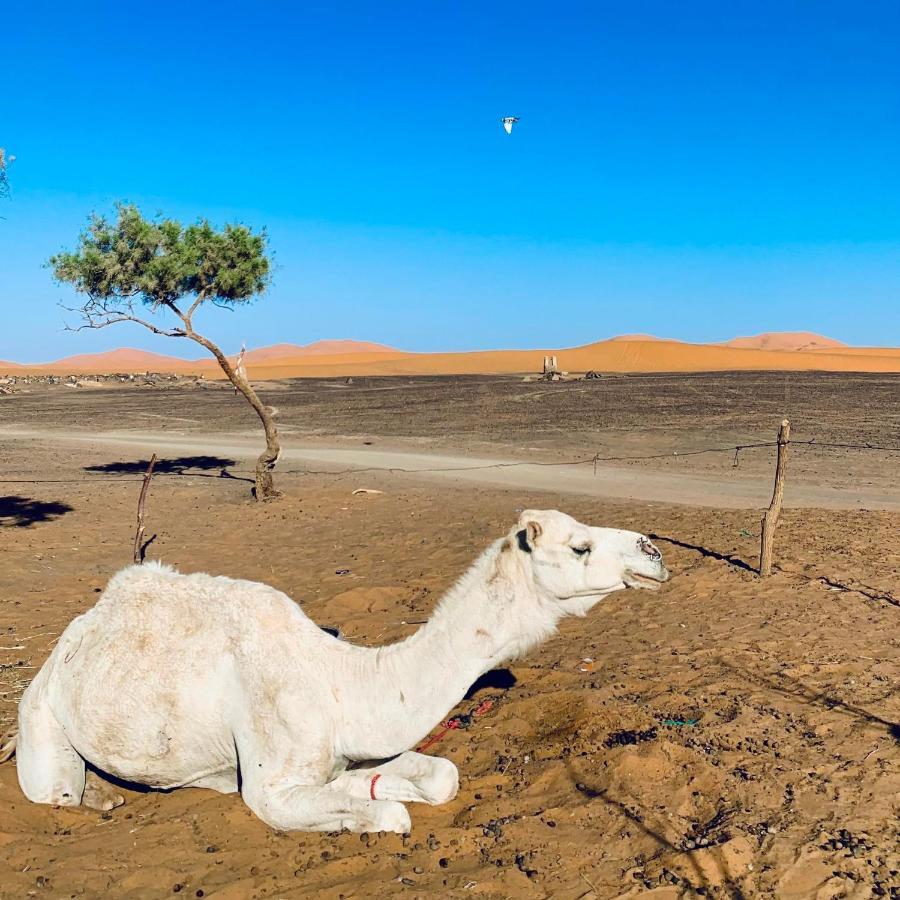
[(192, 680)]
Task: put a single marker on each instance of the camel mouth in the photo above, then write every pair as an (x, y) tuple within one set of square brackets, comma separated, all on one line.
[(646, 582)]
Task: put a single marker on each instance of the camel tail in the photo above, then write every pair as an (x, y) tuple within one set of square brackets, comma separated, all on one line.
[(8, 747)]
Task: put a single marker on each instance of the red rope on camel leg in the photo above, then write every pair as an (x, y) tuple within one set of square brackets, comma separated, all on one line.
[(374, 781)]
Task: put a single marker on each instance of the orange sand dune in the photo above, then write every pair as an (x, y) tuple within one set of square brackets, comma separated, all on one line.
[(784, 340), (637, 337), (124, 359), (863, 351), (623, 354), (128, 359), (604, 356), (317, 348)]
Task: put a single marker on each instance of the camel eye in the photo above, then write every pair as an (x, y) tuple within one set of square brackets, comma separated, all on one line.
[(581, 551)]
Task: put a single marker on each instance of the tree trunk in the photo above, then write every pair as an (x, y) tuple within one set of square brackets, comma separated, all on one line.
[(265, 484)]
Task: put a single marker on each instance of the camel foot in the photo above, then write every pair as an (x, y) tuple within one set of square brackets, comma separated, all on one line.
[(440, 784)]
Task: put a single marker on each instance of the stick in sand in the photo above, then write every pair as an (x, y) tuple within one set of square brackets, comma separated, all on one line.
[(770, 519), (139, 534)]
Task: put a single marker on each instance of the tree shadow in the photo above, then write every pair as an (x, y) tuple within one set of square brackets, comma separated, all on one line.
[(21, 512), (796, 690), (195, 466), (729, 558), (637, 818)]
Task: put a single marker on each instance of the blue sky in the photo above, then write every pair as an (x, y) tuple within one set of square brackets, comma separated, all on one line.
[(693, 170)]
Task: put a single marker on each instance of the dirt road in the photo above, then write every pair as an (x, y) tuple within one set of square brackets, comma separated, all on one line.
[(736, 491)]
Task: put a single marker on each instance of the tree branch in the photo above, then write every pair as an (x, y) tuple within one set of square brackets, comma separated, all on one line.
[(194, 305), (103, 317), (185, 317)]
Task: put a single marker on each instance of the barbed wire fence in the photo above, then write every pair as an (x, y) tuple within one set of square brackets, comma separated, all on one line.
[(593, 459), (781, 443)]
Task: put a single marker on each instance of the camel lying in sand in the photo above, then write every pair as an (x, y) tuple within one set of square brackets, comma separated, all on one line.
[(192, 680)]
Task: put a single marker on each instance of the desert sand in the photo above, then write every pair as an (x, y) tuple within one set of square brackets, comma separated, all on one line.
[(801, 351), (790, 340), (318, 348), (724, 737)]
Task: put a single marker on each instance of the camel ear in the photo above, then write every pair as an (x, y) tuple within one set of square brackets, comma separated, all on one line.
[(528, 535)]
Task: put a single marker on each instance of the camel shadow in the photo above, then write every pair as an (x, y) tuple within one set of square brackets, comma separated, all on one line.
[(22, 512), (145, 546), (122, 783), (496, 679), (195, 466), (729, 558)]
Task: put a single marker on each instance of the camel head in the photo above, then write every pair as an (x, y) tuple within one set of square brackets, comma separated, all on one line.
[(576, 565)]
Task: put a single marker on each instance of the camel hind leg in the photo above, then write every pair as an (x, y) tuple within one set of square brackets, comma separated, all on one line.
[(8, 746), (49, 769)]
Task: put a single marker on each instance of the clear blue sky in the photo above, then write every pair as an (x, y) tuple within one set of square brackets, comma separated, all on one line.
[(694, 170)]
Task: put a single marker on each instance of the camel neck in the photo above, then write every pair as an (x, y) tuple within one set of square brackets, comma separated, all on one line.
[(492, 615)]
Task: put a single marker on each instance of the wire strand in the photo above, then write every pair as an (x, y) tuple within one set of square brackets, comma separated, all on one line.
[(736, 449)]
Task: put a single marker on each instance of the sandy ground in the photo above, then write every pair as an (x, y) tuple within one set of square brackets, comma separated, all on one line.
[(727, 738)]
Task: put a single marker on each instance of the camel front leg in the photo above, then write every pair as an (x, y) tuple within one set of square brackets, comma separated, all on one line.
[(287, 805), (283, 781), (410, 778)]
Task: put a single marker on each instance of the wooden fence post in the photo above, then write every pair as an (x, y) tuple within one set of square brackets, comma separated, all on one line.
[(770, 519), (138, 554)]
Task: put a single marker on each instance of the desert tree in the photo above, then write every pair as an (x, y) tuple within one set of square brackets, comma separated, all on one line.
[(158, 273)]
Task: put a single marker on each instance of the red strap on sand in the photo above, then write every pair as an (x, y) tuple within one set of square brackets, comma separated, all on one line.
[(375, 778), (454, 724)]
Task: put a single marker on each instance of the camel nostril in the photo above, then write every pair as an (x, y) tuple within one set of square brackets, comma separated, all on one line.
[(648, 549)]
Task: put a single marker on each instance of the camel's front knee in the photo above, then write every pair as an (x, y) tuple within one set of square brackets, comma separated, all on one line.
[(322, 808)]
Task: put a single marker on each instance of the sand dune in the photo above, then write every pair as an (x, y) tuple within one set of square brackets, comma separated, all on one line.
[(785, 340), (129, 359), (317, 348), (622, 354), (637, 337), (864, 351), (603, 356), (124, 359)]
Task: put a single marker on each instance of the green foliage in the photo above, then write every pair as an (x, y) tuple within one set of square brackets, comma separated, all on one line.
[(159, 262)]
